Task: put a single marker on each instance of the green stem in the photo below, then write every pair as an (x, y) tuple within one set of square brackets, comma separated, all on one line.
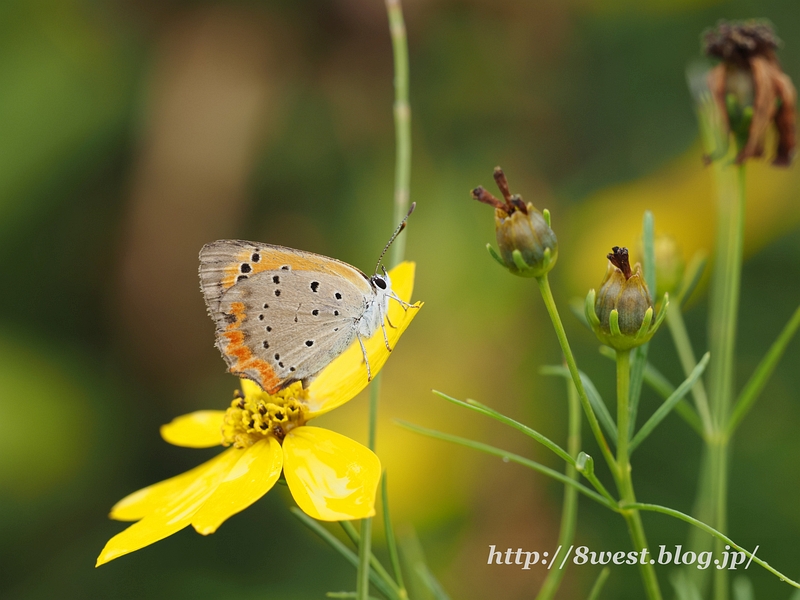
[(623, 412), (550, 304), (724, 305), (364, 554), (625, 483), (402, 122), (402, 119), (569, 510)]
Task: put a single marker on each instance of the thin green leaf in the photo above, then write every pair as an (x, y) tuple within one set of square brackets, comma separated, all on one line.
[(348, 554), (710, 530), (490, 412), (509, 457), (391, 541), (639, 357), (691, 277), (762, 373), (598, 584), (414, 561), (600, 408), (669, 403), (433, 584)]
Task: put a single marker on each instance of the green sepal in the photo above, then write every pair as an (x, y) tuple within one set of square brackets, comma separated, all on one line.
[(493, 253)]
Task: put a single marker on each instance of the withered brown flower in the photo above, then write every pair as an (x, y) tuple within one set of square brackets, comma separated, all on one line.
[(751, 77)]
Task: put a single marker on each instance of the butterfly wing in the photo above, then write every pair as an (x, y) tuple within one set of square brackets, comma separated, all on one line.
[(282, 315)]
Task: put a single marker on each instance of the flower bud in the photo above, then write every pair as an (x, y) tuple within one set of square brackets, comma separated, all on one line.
[(621, 313), (528, 247)]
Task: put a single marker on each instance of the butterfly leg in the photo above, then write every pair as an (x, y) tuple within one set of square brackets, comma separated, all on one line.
[(366, 360), (402, 302), (383, 329)]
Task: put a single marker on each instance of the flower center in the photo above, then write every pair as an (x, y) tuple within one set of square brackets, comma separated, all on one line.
[(255, 416)]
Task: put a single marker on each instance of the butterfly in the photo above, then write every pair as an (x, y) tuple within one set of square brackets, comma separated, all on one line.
[(282, 315)]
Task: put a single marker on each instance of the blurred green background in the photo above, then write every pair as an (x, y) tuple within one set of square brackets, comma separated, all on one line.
[(131, 133)]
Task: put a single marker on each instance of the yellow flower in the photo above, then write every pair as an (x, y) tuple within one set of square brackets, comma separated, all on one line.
[(330, 476)]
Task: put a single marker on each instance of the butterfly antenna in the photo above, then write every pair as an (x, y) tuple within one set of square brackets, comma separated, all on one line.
[(395, 234)]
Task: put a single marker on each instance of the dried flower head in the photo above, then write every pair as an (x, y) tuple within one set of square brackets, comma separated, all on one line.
[(528, 247), (750, 87)]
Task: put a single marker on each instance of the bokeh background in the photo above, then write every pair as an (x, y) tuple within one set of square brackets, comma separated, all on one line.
[(131, 133)]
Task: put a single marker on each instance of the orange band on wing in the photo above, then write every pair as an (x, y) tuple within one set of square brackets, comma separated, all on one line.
[(272, 260), (237, 349)]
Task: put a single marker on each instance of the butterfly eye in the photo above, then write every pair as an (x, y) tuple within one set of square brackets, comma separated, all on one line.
[(379, 282)]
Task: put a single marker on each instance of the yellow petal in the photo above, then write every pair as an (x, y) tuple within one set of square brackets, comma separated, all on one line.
[(155, 497), (346, 376), (331, 477), (201, 429), (180, 505), (253, 475), (250, 388)]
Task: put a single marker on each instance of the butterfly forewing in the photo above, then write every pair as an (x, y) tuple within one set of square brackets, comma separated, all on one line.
[(282, 315)]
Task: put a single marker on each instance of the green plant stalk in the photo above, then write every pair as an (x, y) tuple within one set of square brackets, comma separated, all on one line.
[(365, 547), (569, 510), (402, 120), (594, 425), (625, 483), (723, 312), (364, 555)]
